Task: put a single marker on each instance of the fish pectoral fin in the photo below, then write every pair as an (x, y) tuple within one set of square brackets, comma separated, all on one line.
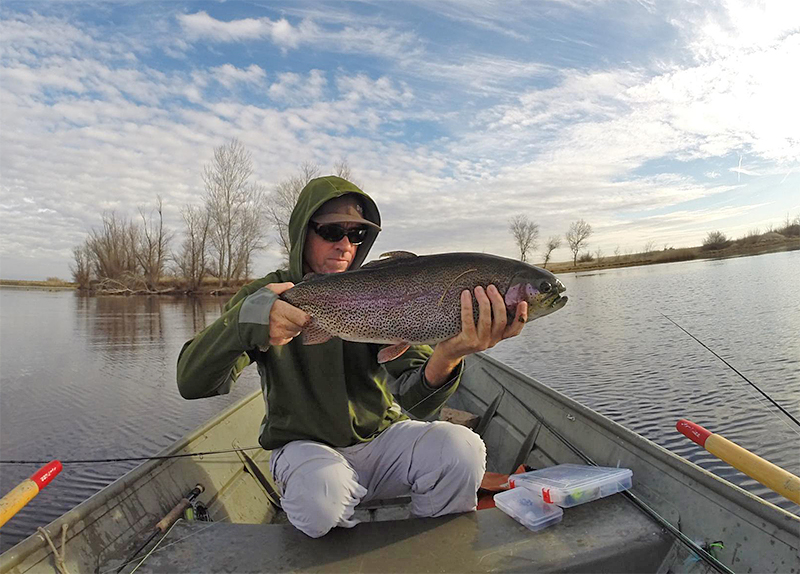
[(313, 334), (391, 352)]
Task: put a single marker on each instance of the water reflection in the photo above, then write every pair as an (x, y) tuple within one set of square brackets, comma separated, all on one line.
[(95, 378), (118, 322)]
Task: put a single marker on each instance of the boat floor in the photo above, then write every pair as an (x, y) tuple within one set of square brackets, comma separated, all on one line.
[(607, 535)]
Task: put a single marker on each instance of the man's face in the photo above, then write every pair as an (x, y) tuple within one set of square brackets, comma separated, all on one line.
[(321, 256)]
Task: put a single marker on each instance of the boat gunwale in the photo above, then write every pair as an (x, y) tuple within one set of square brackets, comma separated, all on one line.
[(35, 542), (722, 487)]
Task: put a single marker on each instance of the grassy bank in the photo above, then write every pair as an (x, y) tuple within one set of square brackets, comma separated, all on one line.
[(766, 243), (167, 286), (48, 284)]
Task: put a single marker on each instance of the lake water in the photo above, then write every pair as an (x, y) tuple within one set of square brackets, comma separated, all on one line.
[(94, 377)]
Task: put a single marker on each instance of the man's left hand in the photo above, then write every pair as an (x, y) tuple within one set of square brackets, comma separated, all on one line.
[(491, 328)]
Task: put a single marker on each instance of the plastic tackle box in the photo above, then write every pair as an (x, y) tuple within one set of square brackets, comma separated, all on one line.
[(528, 509), (572, 484)]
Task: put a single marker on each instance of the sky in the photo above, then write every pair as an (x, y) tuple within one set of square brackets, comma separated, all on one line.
[(652, 121)]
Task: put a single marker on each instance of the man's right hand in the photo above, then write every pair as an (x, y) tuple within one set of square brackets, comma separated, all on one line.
[(285, 320)]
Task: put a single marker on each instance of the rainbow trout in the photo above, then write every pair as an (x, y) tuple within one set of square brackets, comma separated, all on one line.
[(405, 299)]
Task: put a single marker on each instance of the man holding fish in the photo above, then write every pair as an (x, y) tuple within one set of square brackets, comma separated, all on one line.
[(334, 394)]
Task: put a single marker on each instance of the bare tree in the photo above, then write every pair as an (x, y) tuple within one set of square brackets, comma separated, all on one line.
[(649, 247), (576, 237), (715, 240), (191, 260), (112, 249), (552, 244), (232, 201), (252, 236), (342, 169), (153, 245), (81, 268), (284, 197), (525, 233)]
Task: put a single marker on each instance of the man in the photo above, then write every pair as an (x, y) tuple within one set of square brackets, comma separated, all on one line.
[(336, 433)]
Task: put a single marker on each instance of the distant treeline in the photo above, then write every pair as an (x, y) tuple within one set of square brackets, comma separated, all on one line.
[(715, 244), (219, 241)]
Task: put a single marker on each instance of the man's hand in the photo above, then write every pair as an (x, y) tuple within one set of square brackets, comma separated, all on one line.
[(285, 320), (491, 328)]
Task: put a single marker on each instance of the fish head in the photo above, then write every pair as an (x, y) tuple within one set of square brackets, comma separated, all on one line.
[(539, 288)]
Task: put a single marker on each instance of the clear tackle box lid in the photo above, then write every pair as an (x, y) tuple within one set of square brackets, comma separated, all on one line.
[(528, 509), (572, 484)]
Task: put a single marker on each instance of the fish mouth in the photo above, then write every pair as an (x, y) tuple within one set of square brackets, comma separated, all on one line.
[(556, 300)]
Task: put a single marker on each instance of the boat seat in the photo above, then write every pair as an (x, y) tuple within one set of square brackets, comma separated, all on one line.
[(607, 535)]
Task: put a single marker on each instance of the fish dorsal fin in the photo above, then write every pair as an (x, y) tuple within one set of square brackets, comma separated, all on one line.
[(312, 275), (389, 258), (398, 255)]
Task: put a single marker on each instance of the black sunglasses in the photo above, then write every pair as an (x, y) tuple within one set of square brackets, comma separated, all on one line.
[(334, 233)]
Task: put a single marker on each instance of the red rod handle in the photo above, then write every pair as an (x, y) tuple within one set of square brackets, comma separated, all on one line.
[(772, 476), (25, 491), (693, 431)]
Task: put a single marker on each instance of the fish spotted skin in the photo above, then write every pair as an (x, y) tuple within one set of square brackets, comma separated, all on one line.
[(405, 298)]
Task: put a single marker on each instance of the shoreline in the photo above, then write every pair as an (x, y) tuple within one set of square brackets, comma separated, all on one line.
[(675, 256), (613, 262)]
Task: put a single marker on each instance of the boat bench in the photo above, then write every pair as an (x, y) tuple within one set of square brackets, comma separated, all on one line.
[(607, 535)]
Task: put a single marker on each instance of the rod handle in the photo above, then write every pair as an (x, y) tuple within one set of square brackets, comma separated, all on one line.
[(174, 514), (693, 431), (770, 475), (27, 490)]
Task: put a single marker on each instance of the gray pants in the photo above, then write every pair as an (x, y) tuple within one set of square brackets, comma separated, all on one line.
[(439, 464)]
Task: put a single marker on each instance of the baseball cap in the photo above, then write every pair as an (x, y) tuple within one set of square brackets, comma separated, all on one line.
[(343, 209)]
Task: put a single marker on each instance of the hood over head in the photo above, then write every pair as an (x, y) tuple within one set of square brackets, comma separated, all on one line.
[(314, 195)]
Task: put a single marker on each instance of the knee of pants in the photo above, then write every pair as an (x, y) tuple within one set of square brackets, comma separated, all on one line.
[(455, 449), (319, 495)]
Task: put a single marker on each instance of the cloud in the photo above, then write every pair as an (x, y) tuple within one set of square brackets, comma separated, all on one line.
[(202, 26), (229, 75), (730, 28), (350, 39), (480, 73), (383, 90), (295, 88)]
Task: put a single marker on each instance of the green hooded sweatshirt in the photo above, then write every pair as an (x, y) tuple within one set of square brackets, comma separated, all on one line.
[(334, 392)]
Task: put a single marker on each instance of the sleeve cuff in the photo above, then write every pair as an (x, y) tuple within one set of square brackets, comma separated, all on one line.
[(254, 318), (452, 380)]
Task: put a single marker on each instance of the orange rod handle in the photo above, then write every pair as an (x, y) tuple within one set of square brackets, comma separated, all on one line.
[(770, 475), (25, 491)]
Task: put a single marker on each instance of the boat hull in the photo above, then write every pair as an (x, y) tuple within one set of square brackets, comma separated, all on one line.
[(521, 421)]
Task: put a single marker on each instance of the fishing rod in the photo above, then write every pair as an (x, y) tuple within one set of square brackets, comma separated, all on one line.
[(756, 387), (166, 523), (690, 544), (134, 458)]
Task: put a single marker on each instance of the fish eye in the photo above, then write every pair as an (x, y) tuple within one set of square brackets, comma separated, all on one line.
[(544, 287)]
